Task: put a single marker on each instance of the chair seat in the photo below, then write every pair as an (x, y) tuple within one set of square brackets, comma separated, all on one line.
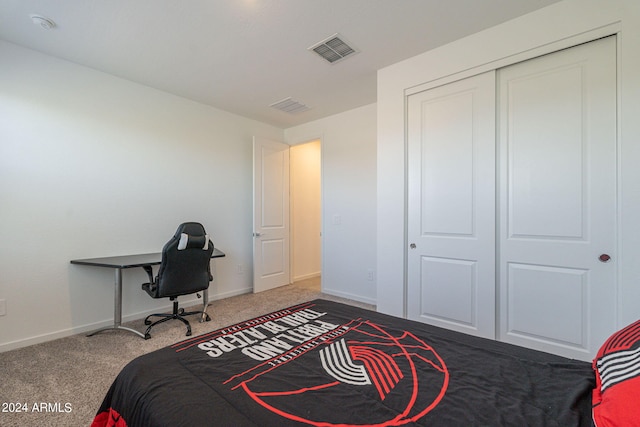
[(150, 289)]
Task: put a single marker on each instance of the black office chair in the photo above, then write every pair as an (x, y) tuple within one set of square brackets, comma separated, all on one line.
[(185, 270)]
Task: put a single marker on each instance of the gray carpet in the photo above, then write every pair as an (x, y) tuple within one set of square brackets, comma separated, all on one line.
[(70, 376)]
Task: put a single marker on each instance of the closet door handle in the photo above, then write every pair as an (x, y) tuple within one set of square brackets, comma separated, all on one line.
[(604, 258)]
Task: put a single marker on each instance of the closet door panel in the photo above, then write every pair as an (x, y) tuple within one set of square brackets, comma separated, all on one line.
[(557, 139), (446, 160), (535, 289), (449, 287), (451, 206), (546, 155)]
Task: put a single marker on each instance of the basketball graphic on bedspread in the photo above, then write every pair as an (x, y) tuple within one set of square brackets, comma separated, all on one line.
[(402, 373)]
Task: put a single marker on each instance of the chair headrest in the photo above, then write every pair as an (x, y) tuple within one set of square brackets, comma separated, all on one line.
[(193, 242)]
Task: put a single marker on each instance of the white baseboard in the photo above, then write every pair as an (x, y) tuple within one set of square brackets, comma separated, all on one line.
[(83, 329), (346, 295), (305, 277)]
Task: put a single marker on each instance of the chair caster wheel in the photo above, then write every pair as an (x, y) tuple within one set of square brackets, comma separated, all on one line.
[(188, 333), (147, 336), (147, 322), (207, 319)]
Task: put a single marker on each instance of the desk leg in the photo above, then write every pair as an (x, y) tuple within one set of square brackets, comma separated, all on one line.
[(117, 309), (117, 300)]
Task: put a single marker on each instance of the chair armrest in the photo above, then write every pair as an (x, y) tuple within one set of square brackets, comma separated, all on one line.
[(149, 271)]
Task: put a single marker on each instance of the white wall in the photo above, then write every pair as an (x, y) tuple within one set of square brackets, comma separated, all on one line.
[(92, 165), (561, 25), (306, 209), (348, 201)]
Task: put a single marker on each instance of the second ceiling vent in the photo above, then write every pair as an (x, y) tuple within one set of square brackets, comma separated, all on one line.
[(290, 106), (333, 49)]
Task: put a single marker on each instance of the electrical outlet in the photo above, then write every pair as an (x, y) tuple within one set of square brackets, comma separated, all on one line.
[(370, 275), (3, 307)]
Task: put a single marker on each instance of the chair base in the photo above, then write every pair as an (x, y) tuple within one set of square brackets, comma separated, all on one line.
[(177, 314)]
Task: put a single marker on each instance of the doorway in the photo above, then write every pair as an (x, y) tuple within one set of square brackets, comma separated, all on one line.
[(287, 214), (306, 212)]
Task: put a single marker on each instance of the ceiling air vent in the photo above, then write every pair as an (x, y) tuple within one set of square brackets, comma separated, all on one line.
[(333, 49), (290, 106)]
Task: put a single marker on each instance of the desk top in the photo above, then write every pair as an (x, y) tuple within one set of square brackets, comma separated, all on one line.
[(130, 261)]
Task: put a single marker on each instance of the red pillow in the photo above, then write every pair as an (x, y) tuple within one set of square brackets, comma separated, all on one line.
[(616, 398)]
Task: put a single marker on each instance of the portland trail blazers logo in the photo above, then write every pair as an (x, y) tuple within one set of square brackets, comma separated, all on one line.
[(344, 367)]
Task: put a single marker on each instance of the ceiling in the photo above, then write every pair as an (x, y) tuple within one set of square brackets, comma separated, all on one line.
[(244, 55)]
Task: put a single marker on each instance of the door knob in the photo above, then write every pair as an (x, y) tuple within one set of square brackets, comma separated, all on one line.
[(257, 234), (412, 246), (604, 258)]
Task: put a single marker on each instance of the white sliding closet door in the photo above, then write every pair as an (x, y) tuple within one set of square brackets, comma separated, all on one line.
[(525, 217), (557, 246), (451, 206)]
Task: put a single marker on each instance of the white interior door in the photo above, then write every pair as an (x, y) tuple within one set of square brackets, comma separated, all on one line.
[(270, 214), (451, 206), (557, 131)]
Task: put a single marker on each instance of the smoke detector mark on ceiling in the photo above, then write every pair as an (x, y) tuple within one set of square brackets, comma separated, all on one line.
[(43, 22), (333, 49), (290, 106)]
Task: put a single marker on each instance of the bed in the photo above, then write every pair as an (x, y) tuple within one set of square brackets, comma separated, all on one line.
[(324, 363)]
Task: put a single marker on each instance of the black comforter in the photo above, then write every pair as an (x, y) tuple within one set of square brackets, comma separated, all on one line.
[(327, 364)]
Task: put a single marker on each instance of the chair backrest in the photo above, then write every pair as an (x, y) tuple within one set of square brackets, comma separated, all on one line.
[(185, 267)]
